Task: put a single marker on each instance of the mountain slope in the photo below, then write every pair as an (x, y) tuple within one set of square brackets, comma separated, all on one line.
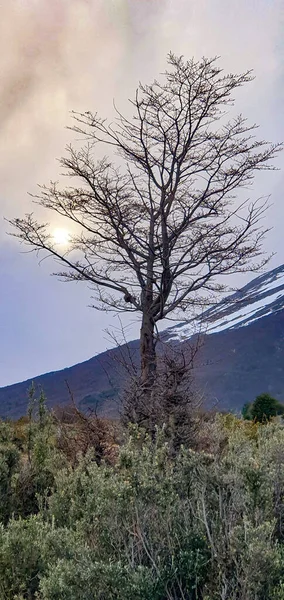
[(241, 356), (263, 296), (95, 384)]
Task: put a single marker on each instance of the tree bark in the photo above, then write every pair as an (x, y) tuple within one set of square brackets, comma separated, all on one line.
[(148, 351)]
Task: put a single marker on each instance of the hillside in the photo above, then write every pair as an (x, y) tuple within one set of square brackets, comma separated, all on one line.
[(242, 355)]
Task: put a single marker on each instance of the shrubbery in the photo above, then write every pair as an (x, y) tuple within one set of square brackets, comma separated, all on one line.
[(202, 524), (264, 408)]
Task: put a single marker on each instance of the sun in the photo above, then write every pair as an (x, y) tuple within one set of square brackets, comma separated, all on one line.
[(61, 237)]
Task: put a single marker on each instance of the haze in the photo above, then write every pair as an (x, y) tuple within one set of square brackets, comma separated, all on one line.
[(59, 55)]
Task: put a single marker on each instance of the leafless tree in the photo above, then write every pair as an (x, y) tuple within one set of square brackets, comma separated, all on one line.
[(174, 402), (157, 232)]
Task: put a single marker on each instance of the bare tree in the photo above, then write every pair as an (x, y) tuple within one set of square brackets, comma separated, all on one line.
[(156, 233), (174, 403)]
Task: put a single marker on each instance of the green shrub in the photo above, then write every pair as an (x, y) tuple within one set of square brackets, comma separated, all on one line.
[(28, 549), (9, 464), (265, 407), (153, 526), (262, 409)]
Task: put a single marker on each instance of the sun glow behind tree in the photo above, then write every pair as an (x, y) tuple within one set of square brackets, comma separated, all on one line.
[(61, 237)]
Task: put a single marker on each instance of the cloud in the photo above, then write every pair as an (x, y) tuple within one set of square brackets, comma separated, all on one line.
[(81, 54), (59, 55), (54, 57)]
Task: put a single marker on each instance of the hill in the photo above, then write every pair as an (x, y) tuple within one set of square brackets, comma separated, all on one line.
[(242, 355)]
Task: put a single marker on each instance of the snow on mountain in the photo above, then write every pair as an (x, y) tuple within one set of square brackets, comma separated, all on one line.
[(263, 296)]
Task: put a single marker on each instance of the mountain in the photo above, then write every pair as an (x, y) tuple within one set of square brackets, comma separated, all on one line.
[(242, 355), (94, 384), (262, 297)]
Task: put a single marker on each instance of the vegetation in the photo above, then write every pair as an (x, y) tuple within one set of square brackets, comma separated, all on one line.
[(90, 511), (262, 409)]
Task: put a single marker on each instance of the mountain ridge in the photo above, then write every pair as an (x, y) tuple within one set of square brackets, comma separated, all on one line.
[(242, 354), (237, 304)]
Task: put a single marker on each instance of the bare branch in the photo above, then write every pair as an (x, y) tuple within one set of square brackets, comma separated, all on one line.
[(158, 233)]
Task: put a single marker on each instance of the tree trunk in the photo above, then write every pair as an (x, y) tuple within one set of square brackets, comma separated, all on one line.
[(148, 351)]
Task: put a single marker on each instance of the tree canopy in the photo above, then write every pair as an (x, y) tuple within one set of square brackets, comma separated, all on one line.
[(262, 409)]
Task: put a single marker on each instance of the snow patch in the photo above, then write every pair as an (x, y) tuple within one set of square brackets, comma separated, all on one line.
[(260, 298)]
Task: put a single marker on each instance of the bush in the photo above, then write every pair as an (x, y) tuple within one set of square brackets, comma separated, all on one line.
[(28, 549), (262, 409), (9, 464), (151, 526)]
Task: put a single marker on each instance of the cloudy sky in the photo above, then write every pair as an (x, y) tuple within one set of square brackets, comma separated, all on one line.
[(59, 55)]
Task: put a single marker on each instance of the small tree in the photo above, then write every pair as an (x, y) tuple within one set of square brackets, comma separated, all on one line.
[(155, 235), (262, 409), (265, 407)]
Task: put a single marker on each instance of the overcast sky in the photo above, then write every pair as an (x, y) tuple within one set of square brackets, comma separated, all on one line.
[(59, 55)]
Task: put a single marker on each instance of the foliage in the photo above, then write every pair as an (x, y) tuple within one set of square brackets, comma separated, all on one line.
[(9, 461), (199, 524), (262, 409), (246, 411), (28, 461)]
